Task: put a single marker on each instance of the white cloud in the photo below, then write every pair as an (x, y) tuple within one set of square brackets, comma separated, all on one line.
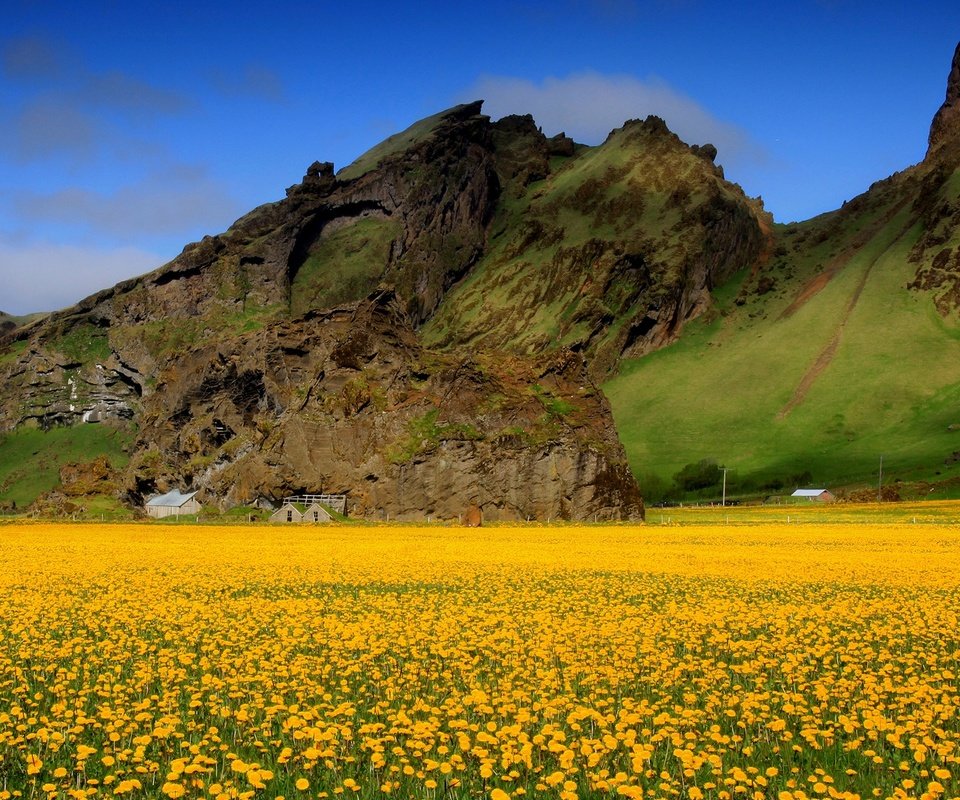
[(588, 105), (66, 109), (43, 276)]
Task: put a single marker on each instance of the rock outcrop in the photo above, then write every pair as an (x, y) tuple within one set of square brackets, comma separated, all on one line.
[(945, 127), (346, 400), (609, 253)]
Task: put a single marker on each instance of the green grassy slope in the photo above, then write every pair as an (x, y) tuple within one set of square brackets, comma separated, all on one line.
[(344, 265), (834, 364), (10, 321), (32, 458), (395, 144), (613, 231)]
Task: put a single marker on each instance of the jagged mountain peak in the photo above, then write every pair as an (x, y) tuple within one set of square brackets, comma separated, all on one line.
[(945, 127), (418, 131)]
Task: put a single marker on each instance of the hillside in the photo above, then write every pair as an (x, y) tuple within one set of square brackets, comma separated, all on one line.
[(609, 251), (841, 348), (429, 329), (264, 361), (9, 322)]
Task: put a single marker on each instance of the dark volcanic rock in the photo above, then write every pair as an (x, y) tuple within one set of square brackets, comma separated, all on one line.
[(522, 152), (946, 122), (255, 364), (609, 255), (347, 401), (707, 151), (561, 145)]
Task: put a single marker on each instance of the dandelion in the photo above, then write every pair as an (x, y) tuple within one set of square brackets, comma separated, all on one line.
[(727, 664)]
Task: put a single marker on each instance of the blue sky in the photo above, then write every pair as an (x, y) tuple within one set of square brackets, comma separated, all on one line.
[(134, 128)]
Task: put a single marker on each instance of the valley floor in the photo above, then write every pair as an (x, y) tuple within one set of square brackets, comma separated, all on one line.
[(699, 661)]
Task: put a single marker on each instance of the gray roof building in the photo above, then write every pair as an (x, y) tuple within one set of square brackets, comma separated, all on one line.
[(173, 503)]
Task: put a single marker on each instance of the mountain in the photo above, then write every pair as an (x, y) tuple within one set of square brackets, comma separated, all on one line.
[(282, 355), (440, 324), (840, 347), (8, 322), (608, 252)]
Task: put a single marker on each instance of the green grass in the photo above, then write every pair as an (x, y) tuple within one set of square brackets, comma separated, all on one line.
[(554, 272), (425, 433), (919, 513), (173, 336), (553, 405), (344, 266), (105, 508), (393, 145), (84, 344), (30, 459), (892, 387), (13, 352), (20, 320)]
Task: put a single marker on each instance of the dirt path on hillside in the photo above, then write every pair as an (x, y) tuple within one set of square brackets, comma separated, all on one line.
[(818, 282), (823, 359)]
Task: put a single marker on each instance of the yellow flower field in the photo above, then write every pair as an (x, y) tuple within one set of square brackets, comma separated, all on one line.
[(763, 661)]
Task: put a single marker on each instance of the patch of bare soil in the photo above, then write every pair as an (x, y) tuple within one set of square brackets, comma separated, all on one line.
[(766, 250), (812, 287)]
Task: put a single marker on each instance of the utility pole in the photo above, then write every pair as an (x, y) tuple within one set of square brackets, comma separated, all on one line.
[(880, 482), (723, 502)]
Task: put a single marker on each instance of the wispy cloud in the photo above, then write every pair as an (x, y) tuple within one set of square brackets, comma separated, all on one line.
[(118, 91), (162, 203), (68, 110), (588, 105), (70, 273), (80, 124), (45, 128), (251, 81)]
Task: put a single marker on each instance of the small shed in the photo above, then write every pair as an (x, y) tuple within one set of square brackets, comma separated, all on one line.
[(173, 503), (316, 513), (295, 511), (820, 495), (310, 508), (290, 511)]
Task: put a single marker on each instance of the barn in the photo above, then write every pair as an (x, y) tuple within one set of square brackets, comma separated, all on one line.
[(820, 495), (173, 503)]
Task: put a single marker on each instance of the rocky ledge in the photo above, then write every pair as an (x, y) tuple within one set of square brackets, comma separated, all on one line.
[(347, 401)]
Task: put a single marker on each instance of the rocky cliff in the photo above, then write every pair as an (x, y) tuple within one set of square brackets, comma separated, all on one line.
[(945, 128), (346, 400), (609, 251), (527, 265)]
